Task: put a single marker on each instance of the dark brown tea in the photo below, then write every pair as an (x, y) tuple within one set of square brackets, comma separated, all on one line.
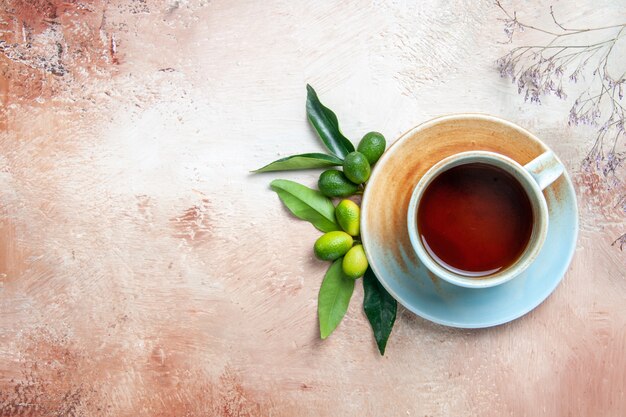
[(475, 219)]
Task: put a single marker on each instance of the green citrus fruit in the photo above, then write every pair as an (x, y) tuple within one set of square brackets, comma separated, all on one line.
[(332, 245), (333, 183), (355, 263), (372, 146), (356, 167), (348, 216)]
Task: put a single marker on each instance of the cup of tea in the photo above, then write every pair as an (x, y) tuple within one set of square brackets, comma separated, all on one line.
[(478, 219)]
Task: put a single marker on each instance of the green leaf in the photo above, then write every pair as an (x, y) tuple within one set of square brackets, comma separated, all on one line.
[(307, 204), (326, 124), (302, 161), (380, 308), (334, 298)]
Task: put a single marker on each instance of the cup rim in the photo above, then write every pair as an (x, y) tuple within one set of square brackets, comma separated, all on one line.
[(537, 239)]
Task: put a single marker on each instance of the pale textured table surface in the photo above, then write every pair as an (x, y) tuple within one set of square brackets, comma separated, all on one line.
[(144, 272)]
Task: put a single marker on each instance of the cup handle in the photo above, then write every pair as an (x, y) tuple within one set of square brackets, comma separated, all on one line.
[(545, 169)]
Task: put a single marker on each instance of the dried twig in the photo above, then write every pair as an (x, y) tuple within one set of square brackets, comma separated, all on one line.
[(540, 70)]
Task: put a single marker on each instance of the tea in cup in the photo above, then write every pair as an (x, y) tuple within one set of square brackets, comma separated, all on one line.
[(478, 218)]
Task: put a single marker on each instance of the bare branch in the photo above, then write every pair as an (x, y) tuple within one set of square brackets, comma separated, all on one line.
[(621, 241), (554, 19)]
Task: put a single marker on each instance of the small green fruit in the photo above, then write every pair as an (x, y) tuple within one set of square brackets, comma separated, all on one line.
[(356, 167), (355, 263), (333, 183), (348, 216), (372, 146), (332, 245)]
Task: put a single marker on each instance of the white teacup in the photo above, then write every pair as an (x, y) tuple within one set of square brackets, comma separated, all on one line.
[(533, 178)]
